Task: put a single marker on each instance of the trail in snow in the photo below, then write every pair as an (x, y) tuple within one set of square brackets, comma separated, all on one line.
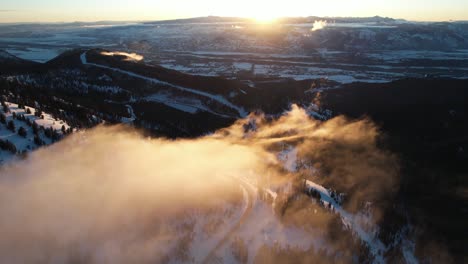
[(263, 227), (218, 98), (248, 198)]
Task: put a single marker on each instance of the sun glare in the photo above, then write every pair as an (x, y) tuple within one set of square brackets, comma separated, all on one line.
[(261, 11), (265, 18)]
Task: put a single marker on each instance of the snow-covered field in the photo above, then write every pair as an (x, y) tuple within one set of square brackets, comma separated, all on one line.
[(35, 54), (301, 67)]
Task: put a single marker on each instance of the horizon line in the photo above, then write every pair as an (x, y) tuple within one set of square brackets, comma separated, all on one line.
[(235, 17)]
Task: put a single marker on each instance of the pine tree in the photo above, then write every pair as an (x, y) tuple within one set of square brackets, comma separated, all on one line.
[(2, 118), (48, 132), (22, 132), (11, 125), (38, 141), (35, 128), (8, 146), (55, 135)]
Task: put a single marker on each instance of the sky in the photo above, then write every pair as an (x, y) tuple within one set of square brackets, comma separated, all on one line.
[(137, 10)]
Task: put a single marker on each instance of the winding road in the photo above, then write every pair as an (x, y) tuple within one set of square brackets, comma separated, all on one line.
[(218, 98)]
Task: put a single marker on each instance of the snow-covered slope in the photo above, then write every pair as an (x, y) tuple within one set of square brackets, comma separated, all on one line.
[(26, 143)]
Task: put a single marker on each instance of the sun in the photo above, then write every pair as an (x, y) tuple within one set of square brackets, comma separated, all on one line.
[(265, 18), (260, 11)]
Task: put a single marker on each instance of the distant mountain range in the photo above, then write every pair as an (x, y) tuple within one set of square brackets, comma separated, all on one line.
[(292, 20), (222, 19)]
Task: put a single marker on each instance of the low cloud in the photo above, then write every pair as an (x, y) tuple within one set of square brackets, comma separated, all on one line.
[(110, 195), (129, 56), (319, 25)]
